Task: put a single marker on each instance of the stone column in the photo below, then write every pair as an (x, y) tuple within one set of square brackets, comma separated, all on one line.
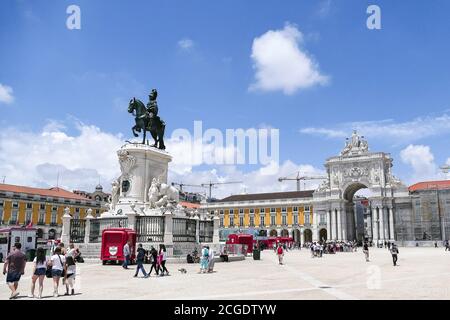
[(87, 230), (216, 221), (197, 228), (333, 225), (328, 225), (374, 224), (339, 225), (302, 236), (344, 224), (381, 226), (65, 232), (131, 220), (391, 224), (168, 232)]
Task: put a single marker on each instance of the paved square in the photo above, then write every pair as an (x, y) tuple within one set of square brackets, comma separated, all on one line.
[(422, 273)]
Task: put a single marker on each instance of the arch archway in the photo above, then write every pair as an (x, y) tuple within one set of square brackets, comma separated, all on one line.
[(296, 236), (40, 233), (284, 233), (308, 235), (323, 234), (52, 234), (273, 233)]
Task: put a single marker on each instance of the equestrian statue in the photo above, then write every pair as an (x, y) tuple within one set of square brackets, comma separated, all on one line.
[(147, 119)]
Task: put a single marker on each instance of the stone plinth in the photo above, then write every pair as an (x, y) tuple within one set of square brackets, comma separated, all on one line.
[(139, 164)]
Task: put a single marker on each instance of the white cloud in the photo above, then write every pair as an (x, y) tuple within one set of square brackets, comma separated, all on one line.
[(406, 132), (281, 64), (6, 94), (421, 159), (324, 8), (186, 44)]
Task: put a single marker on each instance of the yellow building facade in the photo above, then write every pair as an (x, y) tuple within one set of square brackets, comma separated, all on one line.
[(43, 208), (282, 214)]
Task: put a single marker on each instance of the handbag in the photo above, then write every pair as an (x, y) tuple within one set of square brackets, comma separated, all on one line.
[(48, 272), (63, 274)]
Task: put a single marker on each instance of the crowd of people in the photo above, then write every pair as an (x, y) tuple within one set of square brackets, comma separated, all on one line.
[(61, 264), (157, 258)]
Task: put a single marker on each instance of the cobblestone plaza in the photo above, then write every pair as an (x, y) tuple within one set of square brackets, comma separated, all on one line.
[(422, 273)]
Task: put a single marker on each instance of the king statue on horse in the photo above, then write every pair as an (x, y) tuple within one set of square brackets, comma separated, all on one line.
[(147, 119)]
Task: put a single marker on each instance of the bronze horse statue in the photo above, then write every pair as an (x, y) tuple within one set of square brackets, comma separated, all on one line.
[(147, 121)]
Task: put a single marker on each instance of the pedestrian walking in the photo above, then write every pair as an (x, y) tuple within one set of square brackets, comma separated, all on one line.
[(140, 257), (366, 251), (447, 245), (155, 265), (280, 253), (14, 268), (435, 244), (394, 253), (210, 260), (57, 262), (162, 259), (204, 259), (40, 263), (127, 255), (70, 269)]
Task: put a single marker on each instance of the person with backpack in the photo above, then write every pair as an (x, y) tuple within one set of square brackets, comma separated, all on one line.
[(394, 253), (40, 263), (204, 259), (154, 256), (280, 253), (70, 269), (140, 261), (57, 263)]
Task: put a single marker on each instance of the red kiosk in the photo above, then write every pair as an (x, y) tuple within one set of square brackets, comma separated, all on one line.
[(246, 239), (113, 241)]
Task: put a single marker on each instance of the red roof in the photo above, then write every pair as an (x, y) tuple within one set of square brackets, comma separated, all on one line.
[(190, 205), (52, 192), (430, 185)]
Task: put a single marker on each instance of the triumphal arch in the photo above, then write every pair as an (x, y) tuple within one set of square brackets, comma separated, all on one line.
[(356, 168)]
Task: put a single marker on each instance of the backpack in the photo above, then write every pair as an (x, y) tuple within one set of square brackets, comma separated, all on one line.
[(280, 250), (206, 253)]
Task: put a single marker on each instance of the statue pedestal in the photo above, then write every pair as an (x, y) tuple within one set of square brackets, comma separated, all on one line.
[(139, 164)]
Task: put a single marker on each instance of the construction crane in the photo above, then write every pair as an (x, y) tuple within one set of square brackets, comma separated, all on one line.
[(211, 184), (185, 184), (299, 178)]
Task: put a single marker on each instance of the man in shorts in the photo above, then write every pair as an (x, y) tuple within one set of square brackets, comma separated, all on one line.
[(14, 268)]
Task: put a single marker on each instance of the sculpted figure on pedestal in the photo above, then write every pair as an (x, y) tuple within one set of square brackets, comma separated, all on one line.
[(114, 194)]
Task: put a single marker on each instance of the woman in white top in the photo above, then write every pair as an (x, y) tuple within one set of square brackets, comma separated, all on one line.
[(57, 262), (39, 268)]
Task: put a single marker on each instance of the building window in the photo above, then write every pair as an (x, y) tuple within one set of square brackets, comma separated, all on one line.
[(42, 207), (53, 221), (262, 221), (295, 219), (221, 212), (97, 211), (28, 217), (307, 208), (252, 221), (252, 211), (15, 204), (241, 221), (231, 221), (295, 209), (241, 211), (272, 220), (54, 208), (1, 203), (77, 210), (41, 217), (307, 218), (1, 215), (29, 205), (284, 220), (283, 209), (221, 222), (231, 211), (272, 210), (14, 216)]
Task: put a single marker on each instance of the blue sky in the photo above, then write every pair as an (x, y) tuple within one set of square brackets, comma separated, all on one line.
[(379, 81)]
